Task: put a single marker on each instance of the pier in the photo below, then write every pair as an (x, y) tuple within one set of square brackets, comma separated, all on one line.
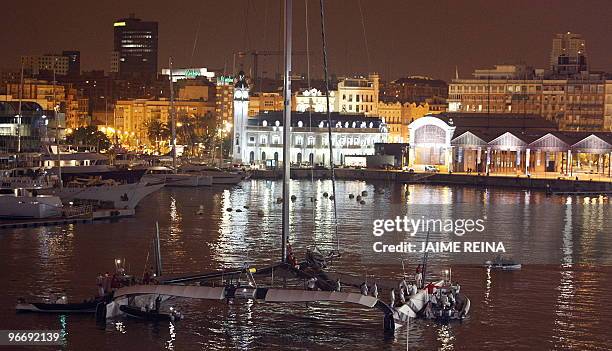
[(557, 185)]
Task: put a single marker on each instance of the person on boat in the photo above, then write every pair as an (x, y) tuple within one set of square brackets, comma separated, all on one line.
[(456, 288), (114, 282), (146, 278), (338, 285), (375, 290), (431, 288), (364, 289), (312, 283), (402, 296), (418, 277), (157, 303), (429, 314), (99, 284), (107, 283), (392, 298)]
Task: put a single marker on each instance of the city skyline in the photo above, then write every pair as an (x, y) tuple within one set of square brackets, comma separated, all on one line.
[(424, 31)]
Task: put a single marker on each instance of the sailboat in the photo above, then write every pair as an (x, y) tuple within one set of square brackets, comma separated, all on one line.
[(280, 282)]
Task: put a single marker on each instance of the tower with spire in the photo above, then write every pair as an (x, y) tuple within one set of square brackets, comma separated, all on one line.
[(241, 117)]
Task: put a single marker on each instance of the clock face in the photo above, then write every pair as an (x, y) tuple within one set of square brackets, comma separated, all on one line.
[(241, 94)]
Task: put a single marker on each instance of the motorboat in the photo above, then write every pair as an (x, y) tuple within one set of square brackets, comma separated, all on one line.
[(172, 178), (115, 195), (22, 203), (218, 175), (503, 264)]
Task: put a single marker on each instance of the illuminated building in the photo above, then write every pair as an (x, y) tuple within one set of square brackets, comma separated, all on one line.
[(315, 101), (359, 95), (473, 142), (188, 73), (224, 98), (69, 99), (135, 41), (574, 104), (133, 116)]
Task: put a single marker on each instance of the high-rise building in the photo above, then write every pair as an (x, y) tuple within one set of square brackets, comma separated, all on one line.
[(568, 55), (136, 45), (74, 62)]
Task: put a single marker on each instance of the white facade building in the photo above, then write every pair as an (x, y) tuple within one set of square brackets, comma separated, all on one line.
[(351, 135)]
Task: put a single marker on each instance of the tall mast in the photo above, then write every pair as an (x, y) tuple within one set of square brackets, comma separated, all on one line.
[(19, 111), (57, 128), (172, 118), (287, 128)]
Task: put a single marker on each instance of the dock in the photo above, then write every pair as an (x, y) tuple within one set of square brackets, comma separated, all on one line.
[(55, 221)]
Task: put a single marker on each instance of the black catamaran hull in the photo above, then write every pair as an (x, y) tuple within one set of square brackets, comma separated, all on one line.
[(39, 307)]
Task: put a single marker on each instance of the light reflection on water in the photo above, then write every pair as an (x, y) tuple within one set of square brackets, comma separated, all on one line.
[(547, 306)]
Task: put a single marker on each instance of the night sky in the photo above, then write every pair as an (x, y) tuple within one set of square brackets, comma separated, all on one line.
[(404, 37)]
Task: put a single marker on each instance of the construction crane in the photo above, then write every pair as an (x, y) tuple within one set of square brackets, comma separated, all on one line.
[(255, 55)]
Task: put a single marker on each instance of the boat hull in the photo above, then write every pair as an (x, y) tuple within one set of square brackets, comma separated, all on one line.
[(178, 180), (86, 307), (124, 196), (12, 206)]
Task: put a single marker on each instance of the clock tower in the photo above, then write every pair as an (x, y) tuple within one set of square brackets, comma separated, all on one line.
[(241, 117)]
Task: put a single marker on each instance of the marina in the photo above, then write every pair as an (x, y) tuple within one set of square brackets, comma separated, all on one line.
[(324, 183)]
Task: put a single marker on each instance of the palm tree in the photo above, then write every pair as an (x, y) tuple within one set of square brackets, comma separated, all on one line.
[(158, 131)]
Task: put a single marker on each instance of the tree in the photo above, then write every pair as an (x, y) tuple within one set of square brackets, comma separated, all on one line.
[(158, 131), (89, 136)]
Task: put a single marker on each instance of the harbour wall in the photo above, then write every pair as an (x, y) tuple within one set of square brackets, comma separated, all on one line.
[(556, 185)]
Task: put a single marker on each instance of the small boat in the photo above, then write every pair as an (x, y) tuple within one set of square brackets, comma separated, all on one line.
[(503, 264), (509, 266), (218, 175), (150, 315), (42, 307), (23, 204), (172, 178)]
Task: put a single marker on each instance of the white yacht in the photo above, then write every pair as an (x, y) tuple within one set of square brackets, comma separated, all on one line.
[(22, 204), (218, 175), (167, 175), (119, 196)]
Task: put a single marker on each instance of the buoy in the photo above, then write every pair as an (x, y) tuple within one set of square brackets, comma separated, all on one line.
[(293, 198), (351, 196), (358, 198), (238, 210), (325, 194), (229, 209), (246, 207), (332, 197), (364, 193), (362, 202), (200, 210), (260, 213), (279, 200)]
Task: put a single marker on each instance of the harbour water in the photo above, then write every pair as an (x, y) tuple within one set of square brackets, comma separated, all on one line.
[(551, 305)]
